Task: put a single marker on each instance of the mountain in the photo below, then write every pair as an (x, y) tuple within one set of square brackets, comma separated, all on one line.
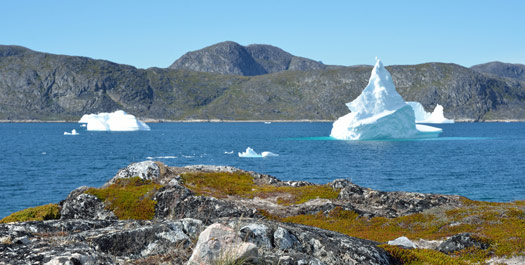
[(233, 59), (515, 71), (42, 86)]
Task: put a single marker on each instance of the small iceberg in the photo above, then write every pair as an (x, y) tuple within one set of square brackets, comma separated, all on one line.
[(379, 112), (115, 121), (73, 132), (422, 116), (251, 153), (228, 152)]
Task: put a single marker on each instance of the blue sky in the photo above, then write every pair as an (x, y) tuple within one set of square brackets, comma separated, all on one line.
[(155, 33)]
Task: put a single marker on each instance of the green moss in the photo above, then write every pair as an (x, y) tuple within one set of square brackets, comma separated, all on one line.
[(223, 184), (39, 213), (129, 198)]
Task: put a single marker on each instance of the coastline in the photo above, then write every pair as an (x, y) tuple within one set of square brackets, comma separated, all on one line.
[(147, 120)]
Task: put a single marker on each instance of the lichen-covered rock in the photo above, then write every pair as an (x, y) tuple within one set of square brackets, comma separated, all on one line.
[(95, 241), (219, 242), (259, 234), (459, 242), (391, 204), (209, 208), (79, 205)]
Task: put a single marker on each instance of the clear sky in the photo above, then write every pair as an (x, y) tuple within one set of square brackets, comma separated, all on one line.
[(155, 33)]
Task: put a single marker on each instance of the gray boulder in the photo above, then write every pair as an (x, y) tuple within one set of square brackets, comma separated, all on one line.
[(147, 170), (219, 242)]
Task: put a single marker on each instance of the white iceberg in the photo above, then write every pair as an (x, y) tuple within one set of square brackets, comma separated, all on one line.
[(73, 132), (422, 116), (251, 153), (115, 121), (379, 112)]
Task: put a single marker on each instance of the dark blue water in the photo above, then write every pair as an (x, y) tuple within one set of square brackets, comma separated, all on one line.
[(483, 161)]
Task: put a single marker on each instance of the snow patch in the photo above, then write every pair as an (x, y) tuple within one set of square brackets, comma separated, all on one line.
[(251, 153), (379, 112), (422, 116), (115, 121)]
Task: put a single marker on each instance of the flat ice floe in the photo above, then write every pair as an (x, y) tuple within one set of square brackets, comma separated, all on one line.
[(73, 132), (379, 112), (251, 153), (422, 116), (115, 121)]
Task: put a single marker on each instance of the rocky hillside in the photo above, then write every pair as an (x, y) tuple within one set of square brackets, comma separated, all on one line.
[(41, 86), (149, 213), (515, 71), (233, 59)]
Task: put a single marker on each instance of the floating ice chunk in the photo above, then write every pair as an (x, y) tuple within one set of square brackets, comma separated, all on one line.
[(115, 121), (422, 116), (228, 152), (379, 112), (160, 157), (83, 125), (251, 153), (267, 154), (402, 241), (73, 132)]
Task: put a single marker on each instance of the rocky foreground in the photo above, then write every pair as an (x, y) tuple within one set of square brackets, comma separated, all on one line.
[(149, 213)]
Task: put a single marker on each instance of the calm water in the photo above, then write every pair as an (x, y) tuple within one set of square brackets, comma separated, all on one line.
[(483, 161)]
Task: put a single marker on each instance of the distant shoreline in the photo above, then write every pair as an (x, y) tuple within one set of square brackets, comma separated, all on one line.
[(218, 120)]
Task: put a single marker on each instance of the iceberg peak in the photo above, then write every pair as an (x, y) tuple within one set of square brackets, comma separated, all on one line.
[(379, 112)]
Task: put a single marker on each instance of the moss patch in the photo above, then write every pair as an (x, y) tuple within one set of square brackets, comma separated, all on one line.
[(129, 198), (39, 213), (421, 256), (224, 184), (502, 225)]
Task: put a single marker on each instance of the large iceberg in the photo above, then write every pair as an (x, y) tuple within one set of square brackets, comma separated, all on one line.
[(422, 116), (115, 121), (379, 112)]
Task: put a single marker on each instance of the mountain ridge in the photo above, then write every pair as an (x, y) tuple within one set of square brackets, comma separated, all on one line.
[(232, 58), (43, 86)]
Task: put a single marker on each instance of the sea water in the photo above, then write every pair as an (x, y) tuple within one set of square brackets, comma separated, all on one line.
[(482, 161)]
